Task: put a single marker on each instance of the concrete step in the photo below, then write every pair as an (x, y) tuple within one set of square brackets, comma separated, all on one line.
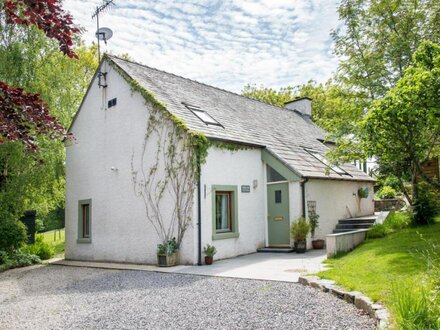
[(337, 231), (276, 249), (359, 220), (353, 226)]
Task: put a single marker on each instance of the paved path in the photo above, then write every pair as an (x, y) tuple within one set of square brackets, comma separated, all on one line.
[(263, 266), (58, 297)]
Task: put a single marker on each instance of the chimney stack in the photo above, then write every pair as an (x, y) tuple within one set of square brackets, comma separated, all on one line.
[(303, 105)]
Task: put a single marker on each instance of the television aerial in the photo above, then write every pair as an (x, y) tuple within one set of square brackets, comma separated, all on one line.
[(103, 34)]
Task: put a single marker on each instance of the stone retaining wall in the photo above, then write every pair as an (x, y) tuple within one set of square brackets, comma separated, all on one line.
[(376, 311)]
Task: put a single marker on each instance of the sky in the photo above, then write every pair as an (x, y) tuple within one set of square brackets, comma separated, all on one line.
[(224, 43)]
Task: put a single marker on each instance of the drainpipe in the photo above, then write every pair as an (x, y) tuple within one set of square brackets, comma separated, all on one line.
[(303, 191), (199, 214)]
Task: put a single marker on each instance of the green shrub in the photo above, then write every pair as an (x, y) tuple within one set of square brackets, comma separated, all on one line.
[(426, 206), (413, 307), (39, 226), (12, 234), (377, 231), (209, 250), (168, 248), (43, 250), (398, 220), (17, 259), (386, 192), (299, 229), (392, 181)]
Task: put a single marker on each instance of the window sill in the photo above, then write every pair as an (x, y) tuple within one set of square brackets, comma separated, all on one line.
[(224, 236), (84, 240)]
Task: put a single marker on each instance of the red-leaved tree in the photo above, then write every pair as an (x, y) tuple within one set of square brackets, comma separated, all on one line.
[(24, 116)]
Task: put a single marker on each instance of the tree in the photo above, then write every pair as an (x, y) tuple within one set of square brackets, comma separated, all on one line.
[(31, 60), (334, 108), (403, 128), (23, 115), (270, 95), (378, 38)]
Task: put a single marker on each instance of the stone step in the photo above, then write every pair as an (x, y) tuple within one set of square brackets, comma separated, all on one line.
[(276, 249)]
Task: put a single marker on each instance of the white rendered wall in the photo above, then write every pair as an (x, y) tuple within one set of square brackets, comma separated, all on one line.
[(107, 138), (337, 200), (235, 168), (295, 203)]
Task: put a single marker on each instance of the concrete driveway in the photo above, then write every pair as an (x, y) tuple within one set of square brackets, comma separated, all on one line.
[(264, 266), (261, 266)]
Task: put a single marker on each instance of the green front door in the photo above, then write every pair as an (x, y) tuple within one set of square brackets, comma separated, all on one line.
[(278, 214)]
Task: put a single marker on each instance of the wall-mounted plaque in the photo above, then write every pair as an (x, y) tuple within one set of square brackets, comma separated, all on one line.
[(246, 189)]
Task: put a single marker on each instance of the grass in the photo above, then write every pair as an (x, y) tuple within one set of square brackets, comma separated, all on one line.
[(55, 239), (377, 264)]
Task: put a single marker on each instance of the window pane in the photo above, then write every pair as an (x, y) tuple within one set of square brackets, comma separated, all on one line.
[(86, 220), (206, 118), (223, 212), (277, 196), (324, 160), (274, 176)]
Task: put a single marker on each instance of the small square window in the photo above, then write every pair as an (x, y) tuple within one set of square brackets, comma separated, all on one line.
[(112, 102)]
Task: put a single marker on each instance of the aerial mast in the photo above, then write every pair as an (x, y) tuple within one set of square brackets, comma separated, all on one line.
[(102, 34)]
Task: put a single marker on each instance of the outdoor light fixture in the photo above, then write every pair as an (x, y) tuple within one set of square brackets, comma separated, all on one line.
[(255, 184)]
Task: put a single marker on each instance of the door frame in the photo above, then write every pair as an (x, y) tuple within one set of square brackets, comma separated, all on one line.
[(267, 213)]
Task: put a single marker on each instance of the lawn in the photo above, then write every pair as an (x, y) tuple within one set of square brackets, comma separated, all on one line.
[(56, 239), (374, 266)]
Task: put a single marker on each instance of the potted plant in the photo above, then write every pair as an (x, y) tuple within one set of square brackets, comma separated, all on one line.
[(209, 251), (167, 253), (298, 231), (314, 223)]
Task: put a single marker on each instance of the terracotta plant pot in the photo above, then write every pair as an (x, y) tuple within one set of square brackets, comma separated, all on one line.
[(165, 260), (208, 260), (318, 244), (301, 246)]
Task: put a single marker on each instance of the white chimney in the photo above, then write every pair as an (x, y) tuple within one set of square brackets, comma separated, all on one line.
[(303, 105)]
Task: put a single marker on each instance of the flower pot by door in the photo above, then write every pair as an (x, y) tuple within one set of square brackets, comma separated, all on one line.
[(300, 246), (208, 260), (318, 244)]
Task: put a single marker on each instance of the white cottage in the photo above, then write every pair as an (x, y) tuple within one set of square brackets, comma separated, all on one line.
[(264, 168)]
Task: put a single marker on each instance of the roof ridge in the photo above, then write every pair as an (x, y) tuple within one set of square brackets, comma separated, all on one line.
[(201, 83)]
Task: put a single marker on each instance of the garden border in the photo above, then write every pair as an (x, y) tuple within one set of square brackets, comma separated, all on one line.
[(376, 311)]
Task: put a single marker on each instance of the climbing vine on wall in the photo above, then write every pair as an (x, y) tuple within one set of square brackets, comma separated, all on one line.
[(172, 170), (178, 155)]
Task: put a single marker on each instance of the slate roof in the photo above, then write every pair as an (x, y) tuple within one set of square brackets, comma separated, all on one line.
[(284, 133)]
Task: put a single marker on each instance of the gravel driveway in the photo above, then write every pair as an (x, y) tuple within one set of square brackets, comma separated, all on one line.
[(59, 297)]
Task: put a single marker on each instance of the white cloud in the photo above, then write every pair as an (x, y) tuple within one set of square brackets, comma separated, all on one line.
[(225, 43)]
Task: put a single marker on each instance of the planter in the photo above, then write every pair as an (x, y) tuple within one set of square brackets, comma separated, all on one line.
[(318, 244), (301, 246), (166, 260), (208, 260)]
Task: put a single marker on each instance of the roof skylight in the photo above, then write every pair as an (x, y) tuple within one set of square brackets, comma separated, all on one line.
[(203, 115), (324, 160)]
